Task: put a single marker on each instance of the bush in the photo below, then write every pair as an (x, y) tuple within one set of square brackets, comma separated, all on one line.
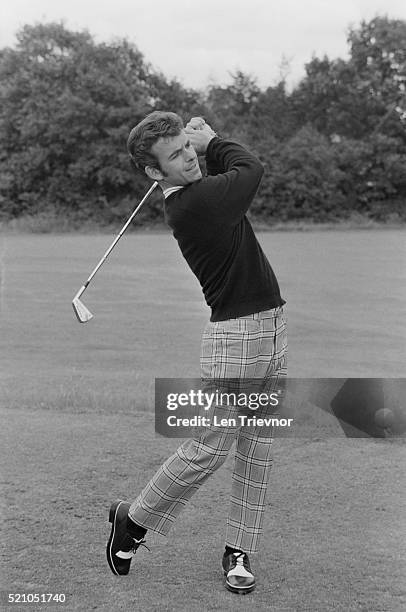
[(374, 173), (302, 180)]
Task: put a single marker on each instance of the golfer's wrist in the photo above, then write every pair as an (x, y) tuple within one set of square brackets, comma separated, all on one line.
[(205, 144), (210, 144)]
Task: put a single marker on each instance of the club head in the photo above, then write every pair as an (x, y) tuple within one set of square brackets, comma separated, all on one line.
[(83, 314)]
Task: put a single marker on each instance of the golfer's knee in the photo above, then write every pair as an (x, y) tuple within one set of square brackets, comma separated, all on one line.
[(204, 457)]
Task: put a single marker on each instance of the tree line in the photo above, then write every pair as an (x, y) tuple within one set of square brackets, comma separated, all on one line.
[(332, 147)]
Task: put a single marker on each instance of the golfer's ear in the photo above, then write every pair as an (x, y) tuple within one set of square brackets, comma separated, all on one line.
[(153, 173)]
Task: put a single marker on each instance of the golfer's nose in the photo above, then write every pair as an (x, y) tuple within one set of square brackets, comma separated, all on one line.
[(188, 154)]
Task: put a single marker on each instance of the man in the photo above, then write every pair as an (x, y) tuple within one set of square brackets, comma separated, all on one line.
[(245, 337)]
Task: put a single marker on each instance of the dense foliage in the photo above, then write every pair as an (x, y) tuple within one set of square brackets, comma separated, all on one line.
[(333, 146)]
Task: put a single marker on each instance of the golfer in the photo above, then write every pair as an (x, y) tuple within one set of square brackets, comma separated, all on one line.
[(244, 339)]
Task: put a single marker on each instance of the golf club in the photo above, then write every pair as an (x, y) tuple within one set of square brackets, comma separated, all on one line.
[(81, 311)]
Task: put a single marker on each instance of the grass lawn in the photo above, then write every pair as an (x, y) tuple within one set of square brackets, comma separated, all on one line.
[(77, 407)]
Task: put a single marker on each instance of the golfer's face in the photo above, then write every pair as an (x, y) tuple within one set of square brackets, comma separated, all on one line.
[(177, 159)]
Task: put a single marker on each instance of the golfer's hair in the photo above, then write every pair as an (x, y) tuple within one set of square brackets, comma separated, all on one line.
[(159, 124)]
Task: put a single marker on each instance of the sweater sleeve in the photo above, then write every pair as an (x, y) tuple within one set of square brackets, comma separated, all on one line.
[(234, 175)]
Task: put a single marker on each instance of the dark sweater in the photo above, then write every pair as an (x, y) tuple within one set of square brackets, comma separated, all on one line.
[(209, 222)]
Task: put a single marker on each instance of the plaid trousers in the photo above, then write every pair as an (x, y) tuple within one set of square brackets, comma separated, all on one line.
[(250, 347)]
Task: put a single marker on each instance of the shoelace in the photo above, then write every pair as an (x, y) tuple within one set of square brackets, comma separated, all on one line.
[(241, 561), (137, 544)]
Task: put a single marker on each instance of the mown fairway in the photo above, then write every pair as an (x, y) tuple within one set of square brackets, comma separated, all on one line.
[(78, 425)]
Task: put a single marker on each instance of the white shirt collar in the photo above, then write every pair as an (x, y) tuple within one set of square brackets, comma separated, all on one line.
[(167, 192)]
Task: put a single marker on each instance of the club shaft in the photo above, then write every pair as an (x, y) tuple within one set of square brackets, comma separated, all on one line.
[(113, 244)]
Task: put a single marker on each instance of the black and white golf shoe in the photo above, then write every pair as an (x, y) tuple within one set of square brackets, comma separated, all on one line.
[(121, 547), (237, 572)]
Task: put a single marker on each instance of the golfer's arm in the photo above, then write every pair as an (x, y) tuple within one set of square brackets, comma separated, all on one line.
[(223, 155), (234, 177)]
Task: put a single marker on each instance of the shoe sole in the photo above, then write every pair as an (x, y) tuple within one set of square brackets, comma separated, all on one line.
[(112, 519), (238, 591)]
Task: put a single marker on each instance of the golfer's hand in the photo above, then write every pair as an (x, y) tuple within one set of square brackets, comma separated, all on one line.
[(200, 134), (196, 123)]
